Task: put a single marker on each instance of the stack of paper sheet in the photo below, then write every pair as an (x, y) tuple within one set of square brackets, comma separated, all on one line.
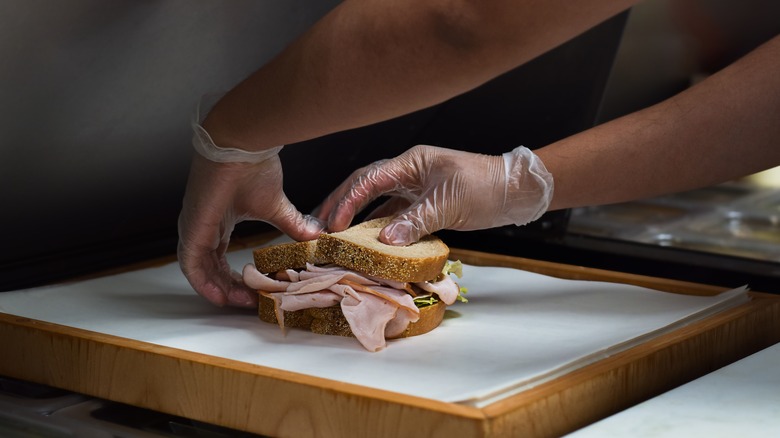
[(518, 329)]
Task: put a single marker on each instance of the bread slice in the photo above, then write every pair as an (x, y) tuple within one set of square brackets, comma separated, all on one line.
[(331, 320), (292, 255), (359, 248)]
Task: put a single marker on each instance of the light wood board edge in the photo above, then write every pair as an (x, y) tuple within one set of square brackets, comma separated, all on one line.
[(625, 379), (573, 272), (217, 390), (234, 394)]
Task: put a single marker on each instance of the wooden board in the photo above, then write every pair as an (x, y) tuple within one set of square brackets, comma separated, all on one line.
[(280, 403)]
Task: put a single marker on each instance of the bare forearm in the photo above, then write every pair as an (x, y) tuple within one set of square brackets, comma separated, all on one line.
[(725, 127), (370, 60)]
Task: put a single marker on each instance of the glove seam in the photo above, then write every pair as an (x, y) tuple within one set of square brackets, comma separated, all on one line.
[(204, 145), (533, 167)]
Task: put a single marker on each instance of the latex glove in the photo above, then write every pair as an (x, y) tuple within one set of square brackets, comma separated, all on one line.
[(224, 189), (434, 188)]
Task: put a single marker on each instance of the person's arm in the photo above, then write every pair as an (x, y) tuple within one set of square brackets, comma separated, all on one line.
[(371, 60), (725, 127), (366, 61)]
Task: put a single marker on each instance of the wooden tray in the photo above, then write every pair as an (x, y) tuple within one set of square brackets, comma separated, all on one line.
[(280, 403)]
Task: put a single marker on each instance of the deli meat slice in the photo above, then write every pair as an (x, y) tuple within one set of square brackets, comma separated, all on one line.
[(399, 297), (399, 323), (446, 289), (319, 299), (289, 275), (374, 308), (368, 317), (323, 280), (259, 281), (313, 284)]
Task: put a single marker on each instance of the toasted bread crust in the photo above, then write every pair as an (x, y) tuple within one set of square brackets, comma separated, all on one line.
[(331, 321), (373, 262), (292, 255), (359, 248)]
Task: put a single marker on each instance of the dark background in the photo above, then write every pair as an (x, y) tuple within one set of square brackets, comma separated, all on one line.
[(95, 101)]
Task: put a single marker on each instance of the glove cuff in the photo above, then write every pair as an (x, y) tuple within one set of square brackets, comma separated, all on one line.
[(204, 145), (529, 186)]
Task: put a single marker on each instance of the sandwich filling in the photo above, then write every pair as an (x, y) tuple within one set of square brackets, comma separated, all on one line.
[(375, 308)]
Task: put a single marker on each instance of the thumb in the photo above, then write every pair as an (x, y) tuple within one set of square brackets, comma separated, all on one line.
[(295, 224), (418, 221)]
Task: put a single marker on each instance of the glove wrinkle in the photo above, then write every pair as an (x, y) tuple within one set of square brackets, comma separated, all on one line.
[(448, 189), (227, 186)]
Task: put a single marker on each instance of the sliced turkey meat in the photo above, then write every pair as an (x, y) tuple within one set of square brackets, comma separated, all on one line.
[(368, 317), (446, 289), (319, 299), (374, 308), (259, 281)]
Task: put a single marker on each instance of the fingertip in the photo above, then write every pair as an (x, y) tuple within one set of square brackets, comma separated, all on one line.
[(239, 294), (313, 226), (212, 293), (302, 227), (339, 220), (398, 233)]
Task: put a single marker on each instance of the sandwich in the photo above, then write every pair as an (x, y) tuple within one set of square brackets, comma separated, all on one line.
[(349, 283)]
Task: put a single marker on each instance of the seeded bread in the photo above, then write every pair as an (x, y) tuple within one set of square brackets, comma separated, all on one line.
[(331, 321), (292, 255), (359, 248)]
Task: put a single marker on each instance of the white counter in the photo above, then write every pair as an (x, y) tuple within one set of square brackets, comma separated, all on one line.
[(739, 400)]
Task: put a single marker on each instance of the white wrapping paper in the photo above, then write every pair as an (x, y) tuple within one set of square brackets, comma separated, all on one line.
[(518, 329)]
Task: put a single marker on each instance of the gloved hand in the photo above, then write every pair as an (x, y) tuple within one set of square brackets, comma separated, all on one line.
[(434, 188), (225, 187)]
